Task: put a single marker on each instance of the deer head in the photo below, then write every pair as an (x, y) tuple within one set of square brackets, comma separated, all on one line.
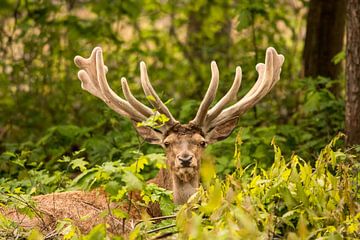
[(183, 143)]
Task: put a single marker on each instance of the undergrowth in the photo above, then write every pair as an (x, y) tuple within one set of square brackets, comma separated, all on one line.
[(290, 200)]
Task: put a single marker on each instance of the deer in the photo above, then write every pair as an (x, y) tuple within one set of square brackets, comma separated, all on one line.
[(183, 144)]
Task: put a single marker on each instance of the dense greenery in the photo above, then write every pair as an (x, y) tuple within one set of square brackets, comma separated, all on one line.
[(55, 137), (291, 199)]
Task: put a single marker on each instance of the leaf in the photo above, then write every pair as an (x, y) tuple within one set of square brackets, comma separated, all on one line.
[(288, 198), (69, 231), (98, 232), (118, 213), (302, 227), (35, 235), (65, 159), (119, 195), (301, 194), (158, 158), (215, 198), (85, 179), (132, 182), (10, 154), (112, 187), (79, 163), (139, 165), (290, 215), (151, 98), (19, 162), (339, 57), (76, 153), (167, 206), (168, 101), (135, 234), (207, 170)]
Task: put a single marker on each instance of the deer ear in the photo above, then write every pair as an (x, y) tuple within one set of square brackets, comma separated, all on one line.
[(150, 135), (222, 131)]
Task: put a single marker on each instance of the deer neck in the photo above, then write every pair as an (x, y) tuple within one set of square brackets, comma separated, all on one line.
[(181, 190)]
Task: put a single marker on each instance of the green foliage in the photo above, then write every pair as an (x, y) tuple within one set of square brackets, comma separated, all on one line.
[(155, 121), (44, 111), (55, 137), (98, 232), (290, 200)]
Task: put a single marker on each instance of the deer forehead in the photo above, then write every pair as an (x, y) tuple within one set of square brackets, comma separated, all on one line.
[(184, 138)]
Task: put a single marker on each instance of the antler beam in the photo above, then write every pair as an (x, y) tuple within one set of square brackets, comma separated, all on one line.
[(269, 74), (93, 78)]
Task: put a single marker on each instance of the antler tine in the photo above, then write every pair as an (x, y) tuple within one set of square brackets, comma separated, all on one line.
[(269, 74), (209, 96), (93, 78), (149, 91), (229, 96), (133, 101)]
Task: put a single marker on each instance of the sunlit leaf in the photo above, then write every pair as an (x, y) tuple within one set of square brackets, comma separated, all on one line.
[(131, 181), (79, 163)]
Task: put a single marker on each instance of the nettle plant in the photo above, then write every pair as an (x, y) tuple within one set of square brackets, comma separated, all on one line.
[(183, 143)]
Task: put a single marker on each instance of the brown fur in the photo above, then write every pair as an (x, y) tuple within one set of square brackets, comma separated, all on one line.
[(184, 140)]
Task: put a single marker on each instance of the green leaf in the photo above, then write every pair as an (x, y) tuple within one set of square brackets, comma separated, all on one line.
[(301, 194), (79, 163), (112, 187), (215, 198), (339, 57), (35, 235), (151, 98), (10, 154), (139, 165), (86, 178), (97, 233), (132, 182), (118, 213), (288, 198)]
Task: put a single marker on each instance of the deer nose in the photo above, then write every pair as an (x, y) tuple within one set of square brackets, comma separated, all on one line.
[(185, 159)]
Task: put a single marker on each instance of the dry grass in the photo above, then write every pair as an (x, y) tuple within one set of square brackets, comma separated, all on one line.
[(84, 209)]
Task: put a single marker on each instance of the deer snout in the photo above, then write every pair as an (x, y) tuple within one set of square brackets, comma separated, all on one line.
[(185, 159)]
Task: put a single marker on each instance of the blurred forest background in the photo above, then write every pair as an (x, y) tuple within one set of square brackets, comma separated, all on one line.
[(46, 116), (43, 106)]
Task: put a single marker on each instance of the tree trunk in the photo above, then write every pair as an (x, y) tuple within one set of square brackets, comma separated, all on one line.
[(352, 122), (324, 38)]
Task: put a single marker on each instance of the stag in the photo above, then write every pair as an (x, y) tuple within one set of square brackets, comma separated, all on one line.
[(183, 143)]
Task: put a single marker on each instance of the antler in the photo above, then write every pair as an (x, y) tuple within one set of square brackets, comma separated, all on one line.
[(269, 74), (93, 79)]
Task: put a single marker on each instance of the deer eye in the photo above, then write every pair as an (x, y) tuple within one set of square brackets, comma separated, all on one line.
[(202, 144), (166, 144)]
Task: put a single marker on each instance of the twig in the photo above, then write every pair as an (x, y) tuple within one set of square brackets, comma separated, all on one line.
[(20, 199), (165, 235), (51, 234), (110, 213), (161, 228), (130, 194), (157, 218)]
